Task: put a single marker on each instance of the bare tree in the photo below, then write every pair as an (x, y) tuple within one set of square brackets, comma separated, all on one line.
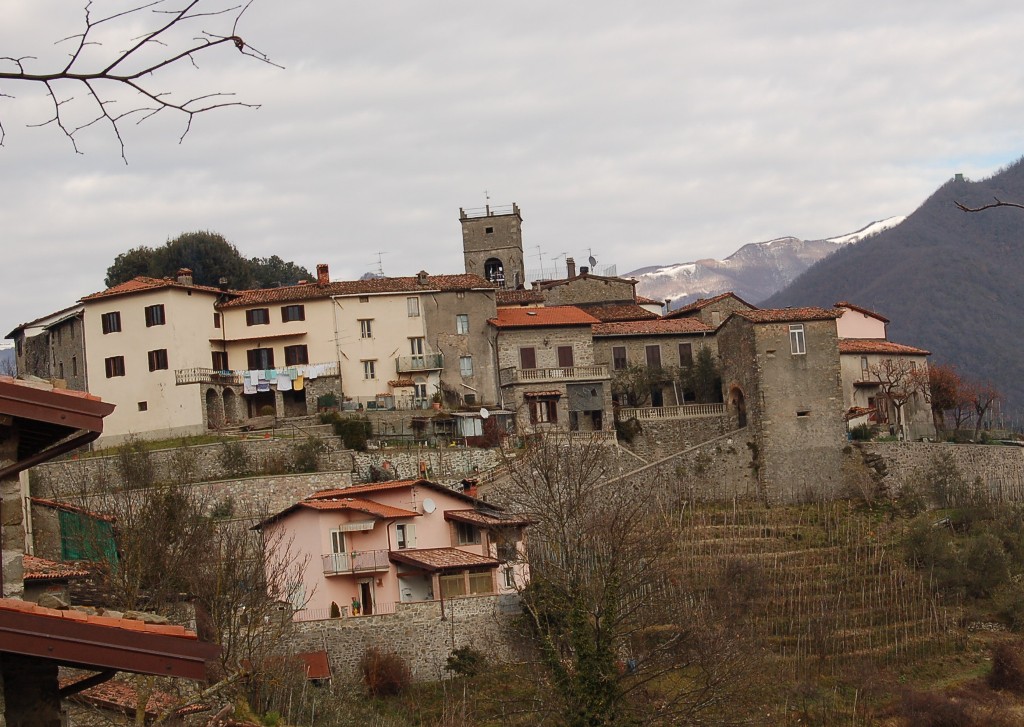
[(174, 35), (983, 396), (620, 640), (900, 380), (992, 205)]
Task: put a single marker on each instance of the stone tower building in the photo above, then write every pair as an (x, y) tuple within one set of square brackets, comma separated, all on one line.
[(492, 244)]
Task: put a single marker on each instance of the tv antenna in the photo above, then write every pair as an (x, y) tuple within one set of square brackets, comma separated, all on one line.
[(540, 259), (592, 260), (380, 263)]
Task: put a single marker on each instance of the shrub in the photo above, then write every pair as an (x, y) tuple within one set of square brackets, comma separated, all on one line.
[(353, 431), (235, 459), (1007, 668), (223, 509), (385, 674), (928, 709), (306, 455), (985, 565), (627, 429), (267, 410), (465, 661), (135, 465), (860, 433)]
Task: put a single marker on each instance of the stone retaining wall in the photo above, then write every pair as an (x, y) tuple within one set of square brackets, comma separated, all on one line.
[(660, 438), (446, 465), (1000, 468), (419, 632)]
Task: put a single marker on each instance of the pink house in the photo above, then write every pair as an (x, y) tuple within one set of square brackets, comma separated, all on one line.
[(368, 547)]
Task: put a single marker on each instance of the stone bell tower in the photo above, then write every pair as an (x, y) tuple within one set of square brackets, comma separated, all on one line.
[(492, 244)]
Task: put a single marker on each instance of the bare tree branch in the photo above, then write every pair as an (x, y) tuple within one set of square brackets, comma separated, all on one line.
[(132, 69), (998, 203)]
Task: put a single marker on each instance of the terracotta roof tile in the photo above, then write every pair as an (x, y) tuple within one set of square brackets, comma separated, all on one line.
[(141, 284), (316, 663), (486, 519), (561, 315), (608, 312), (13, 604), (40, 569), (48, 387), (441, 559), (121, 696), (66, 507), (518, 297), (702, 303), (641, 300), (360, 489), (657, 327), (783, 315), (312, 291), (865, 311), (878, 345), (358, 504), (582, 276)]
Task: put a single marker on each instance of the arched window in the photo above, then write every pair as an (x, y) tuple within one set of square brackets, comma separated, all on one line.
[(494, 271)]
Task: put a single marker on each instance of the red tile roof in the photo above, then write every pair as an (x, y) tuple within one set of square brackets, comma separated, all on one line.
[(122, 696), (561, 315), (518, 297), (142, 284), (608, 312), (784, 315), (641, 300), (657, 327), (358, 504), (12, 604), (878, 345), (50, 388), (702, 303), (583, 276), (442, 559), (71, 508), (311, 291), (317, 665), (40, 569), (486, 519), (865, 311)]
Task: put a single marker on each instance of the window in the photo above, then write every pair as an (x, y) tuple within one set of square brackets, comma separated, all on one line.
[(462, 323), (452, 585), (405, 535), (565, 359), (488, 230), (509, 574), (528, 358), (413, 304), (114, 366), (111, 322), (216, 320), (653, 356), (685, 354), (155, 315), (543, 411), (260, 358), (481, 581), (466, 365), (157, 359), (370, 369), (220, 361), (366, 328), (364, 299), (74, 365), (295, 355), (863, 365), (619, 358), (143, 406), (293, 313), (803, 412), (257, 317), (18, 342), (466, 534), (60, 374), (797, 344)]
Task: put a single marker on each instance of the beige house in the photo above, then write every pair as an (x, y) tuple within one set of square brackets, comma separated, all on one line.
[(138, 334), (547, 370)]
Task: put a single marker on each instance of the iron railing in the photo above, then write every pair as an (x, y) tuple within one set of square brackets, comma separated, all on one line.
[(356, 561), (420, 362)]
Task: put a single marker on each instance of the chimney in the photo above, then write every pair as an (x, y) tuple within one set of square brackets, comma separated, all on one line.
[(223, 284), (184, 276), (571, 265), (421, 277), (323, 276), (583, 271)]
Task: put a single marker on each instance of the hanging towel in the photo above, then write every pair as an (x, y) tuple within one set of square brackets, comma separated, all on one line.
[(263, 386), (284, 383), (313, 371), (254, 377), (247, 386), (298, 384), (273, 375)]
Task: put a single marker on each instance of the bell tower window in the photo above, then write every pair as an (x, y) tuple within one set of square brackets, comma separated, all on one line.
[(494, 271)]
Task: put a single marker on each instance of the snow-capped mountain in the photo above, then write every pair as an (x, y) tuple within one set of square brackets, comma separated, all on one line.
[(754, 272)]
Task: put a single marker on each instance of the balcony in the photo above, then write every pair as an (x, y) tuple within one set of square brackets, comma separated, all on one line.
[(213, 376), (514, 375), (683, 411), (357, 561), (421, 362)]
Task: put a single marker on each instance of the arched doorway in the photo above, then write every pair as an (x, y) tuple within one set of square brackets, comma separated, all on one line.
[(231, 415), (214, 410), (738, 405)]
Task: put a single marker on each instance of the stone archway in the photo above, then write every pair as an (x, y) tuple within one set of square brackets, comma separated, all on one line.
[(738, 405), (231, 413), (214, 410), (494, 271)]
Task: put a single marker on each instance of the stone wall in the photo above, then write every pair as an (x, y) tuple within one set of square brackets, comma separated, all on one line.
[(586, 288), (1001, 469), (420, 633), (185, 464), (442, 465), (659, 438)]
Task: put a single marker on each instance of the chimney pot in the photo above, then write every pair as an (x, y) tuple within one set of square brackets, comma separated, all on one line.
[(223, 284), (323, 275), (570, 264)]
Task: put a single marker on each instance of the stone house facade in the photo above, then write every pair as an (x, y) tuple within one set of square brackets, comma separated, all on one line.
[(587, 288), (712, 311), (53, 347), (781, 375), (547, 370)]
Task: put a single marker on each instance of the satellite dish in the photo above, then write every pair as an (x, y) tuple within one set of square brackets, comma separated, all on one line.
[(429, 506), (484, 413), (592, 260)]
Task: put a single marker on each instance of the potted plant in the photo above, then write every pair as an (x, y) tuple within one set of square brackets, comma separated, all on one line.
[(436, 399)]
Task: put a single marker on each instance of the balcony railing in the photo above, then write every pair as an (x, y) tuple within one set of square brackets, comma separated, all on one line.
[(357, 561), (213, 376), (683, 411), (422, 362), (515, 375)]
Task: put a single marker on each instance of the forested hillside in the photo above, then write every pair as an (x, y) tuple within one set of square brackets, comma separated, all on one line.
[(951, 281)]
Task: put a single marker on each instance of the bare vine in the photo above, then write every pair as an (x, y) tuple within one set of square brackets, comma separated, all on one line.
[(991, 205), (132, 68)]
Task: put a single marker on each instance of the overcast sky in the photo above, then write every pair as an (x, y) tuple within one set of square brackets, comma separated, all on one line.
[(645, 132)]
